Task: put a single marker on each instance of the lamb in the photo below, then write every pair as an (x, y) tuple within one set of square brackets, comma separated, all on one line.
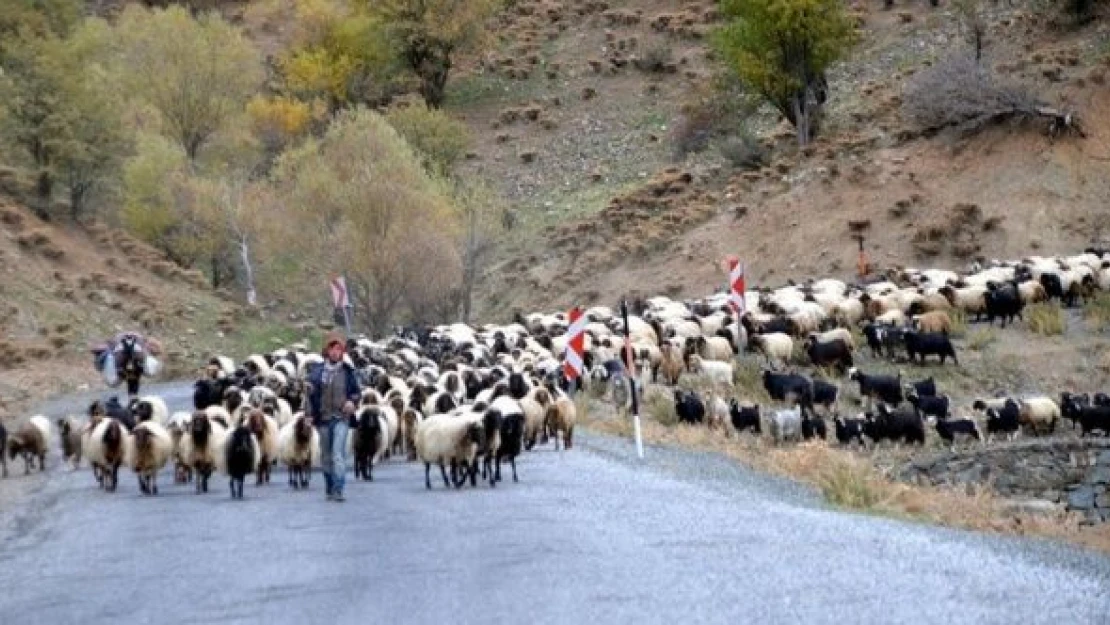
[(836, 352), (69, 430), (719, 373), (1039, 414), (688, 407), (298, 448), (1003, 420), (241, 456), (443, 440), (265, 431), (30, 441), (935, 322), (368, 440), (744, 417), (938, 407), (949, 429), (106, 448), (883, 387), (925, 343), (848, 430), (201, 446), (151, 447), (786, 424), (777, 347), (717, 409)]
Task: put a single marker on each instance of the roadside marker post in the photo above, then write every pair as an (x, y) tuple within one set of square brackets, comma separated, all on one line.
[(631, 367)]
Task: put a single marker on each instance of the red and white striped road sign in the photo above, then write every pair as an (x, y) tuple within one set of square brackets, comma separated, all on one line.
[(736, 284), (339, 296), (576, 338)]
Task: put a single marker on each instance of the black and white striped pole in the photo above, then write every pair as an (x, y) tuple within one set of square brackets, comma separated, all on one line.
[(630, 367)]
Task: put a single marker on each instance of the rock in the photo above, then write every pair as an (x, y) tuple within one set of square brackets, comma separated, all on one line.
[(528, 157), (1031, 507), (1100, 474), (1102, 500), (1082, 498)]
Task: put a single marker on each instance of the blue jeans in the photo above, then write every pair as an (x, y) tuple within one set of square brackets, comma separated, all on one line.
[(333, 453)]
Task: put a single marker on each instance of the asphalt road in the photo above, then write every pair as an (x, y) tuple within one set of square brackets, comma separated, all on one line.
[(587, 536)]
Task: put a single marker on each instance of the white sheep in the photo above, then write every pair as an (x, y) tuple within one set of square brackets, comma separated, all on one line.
[(107, 446), (786, 425), (201, 446), (443, 440), (777, 347), (561, 416), (150, 449), (718, 372), (299, 449), (1039, 413)]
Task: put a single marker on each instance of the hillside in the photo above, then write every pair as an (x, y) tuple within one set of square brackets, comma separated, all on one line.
[(66, 288), (583, 143)]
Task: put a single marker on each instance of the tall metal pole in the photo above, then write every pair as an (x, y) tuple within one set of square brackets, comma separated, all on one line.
[(632, 382)]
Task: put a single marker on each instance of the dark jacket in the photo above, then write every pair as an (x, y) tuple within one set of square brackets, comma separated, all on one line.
[(316, 380)]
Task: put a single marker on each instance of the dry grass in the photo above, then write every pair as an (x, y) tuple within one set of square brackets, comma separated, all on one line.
[(1046, 319), (981, 339), (959, 323), (850, 480), (1097, 312)]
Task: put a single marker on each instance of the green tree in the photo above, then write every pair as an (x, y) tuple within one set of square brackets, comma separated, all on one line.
[(782, 50), (428, 34), (61, 110), (36, 19), (156, 198), (196, 73), (440, 140), (364, 207)]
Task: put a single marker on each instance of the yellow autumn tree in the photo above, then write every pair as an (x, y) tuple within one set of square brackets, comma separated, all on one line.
[(366, 208)]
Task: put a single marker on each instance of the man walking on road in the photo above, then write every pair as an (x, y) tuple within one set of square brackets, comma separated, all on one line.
[(331, 403)]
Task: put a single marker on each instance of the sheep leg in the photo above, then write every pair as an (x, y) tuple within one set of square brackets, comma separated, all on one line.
[(512, 463), (473, 471), (428, 475), (497, 468), (154, 482), (567, 437)]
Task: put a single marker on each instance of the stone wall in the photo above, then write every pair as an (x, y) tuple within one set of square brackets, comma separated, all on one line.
[(1069, 474)]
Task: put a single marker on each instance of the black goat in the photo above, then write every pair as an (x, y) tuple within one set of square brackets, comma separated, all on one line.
[(938, 407), (949, 429), (744, 417), (885, 388), (689, 407), (929, 344), (242, 456), (848, 430)]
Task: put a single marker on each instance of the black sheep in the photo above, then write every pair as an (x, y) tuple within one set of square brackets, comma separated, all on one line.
[(901, 424), (848, 430), (368, 438), (825, 393), (689, 407), (1053, 288), (744, 417), (925, 388), (1004, 420), (1003, 302), (491, 428), (780, 386), (813, 426), (1089, 417), (927, 344), (512, 440), (938, 407), (241, 458), (874, 335), (835, 352), (886, 388), (209, 392), (119, 412), (948, 429)]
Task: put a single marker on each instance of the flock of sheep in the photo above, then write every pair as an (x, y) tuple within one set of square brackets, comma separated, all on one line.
[(468, 398)]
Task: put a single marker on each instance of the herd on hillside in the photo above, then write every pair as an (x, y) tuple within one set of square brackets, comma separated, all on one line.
[(467, 399)]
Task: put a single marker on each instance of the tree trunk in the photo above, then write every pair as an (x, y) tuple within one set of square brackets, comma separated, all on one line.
[(44, 187), (214, 263), (248, 270)]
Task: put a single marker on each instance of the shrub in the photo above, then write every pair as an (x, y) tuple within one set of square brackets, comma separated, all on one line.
[(659, 407), (1046, 319), (980, 339), (851, 483), (743, 151), (1097, 312), (437, 138), (656, 59), (959, 322), (960, 92)]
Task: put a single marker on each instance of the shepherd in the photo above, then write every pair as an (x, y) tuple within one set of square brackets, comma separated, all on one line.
[(128, 356)]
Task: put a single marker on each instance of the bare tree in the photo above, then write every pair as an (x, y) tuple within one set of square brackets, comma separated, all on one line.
[(958, 92)]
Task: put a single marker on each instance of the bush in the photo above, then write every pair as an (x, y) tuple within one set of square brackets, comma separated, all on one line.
[(851, 483), (437, 138), (659, 407), (656, 59), (1046, 319), (980, 339), (744, 152), (960, 92), (1097, 312)]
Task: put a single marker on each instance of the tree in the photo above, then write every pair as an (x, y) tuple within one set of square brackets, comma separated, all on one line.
[(782, 50), (973, 21), (197, 74), (61, 111), (439, 140), (479, 213), (365, 208), (231, 206), (427, 34), (23, 19)]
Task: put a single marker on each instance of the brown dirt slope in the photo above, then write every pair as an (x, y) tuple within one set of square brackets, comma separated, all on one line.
[(605, 210), (64, 288)]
